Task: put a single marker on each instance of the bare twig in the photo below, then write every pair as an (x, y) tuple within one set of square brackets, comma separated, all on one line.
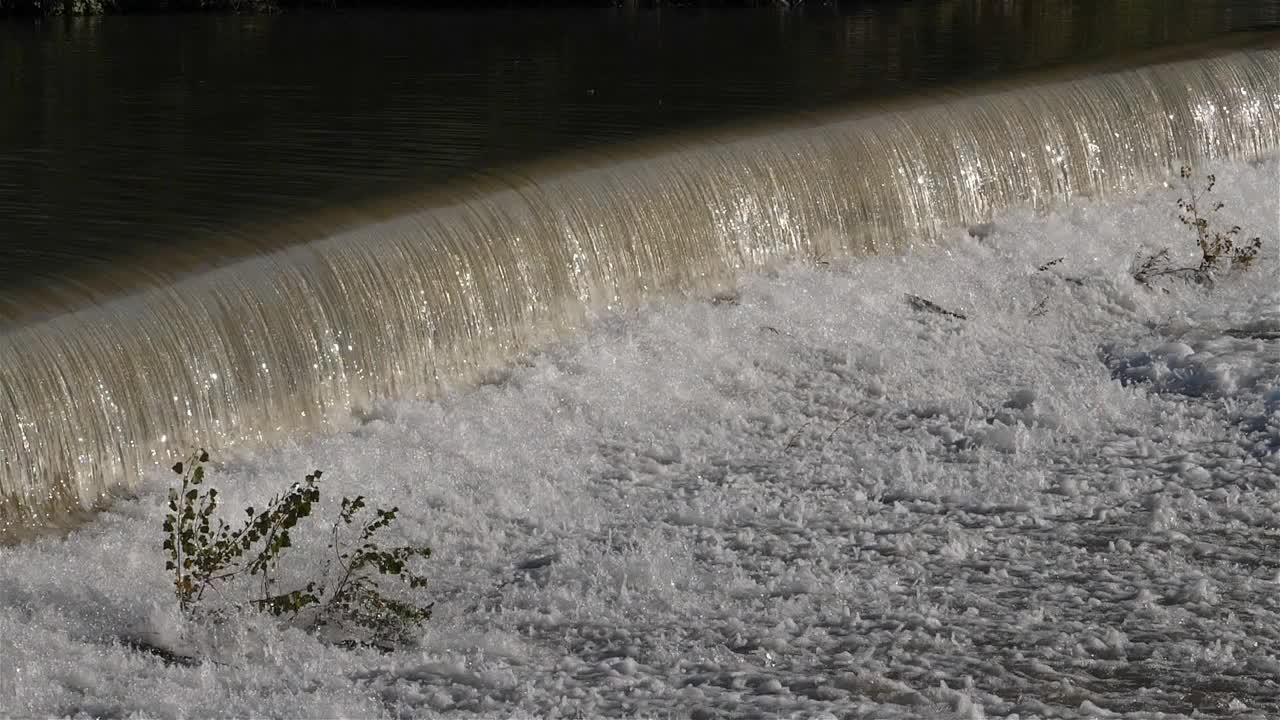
[(923, 305), (1245, 334), (795, 437)]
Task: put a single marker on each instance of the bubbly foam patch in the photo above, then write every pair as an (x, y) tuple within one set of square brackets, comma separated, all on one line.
[(811, 497)]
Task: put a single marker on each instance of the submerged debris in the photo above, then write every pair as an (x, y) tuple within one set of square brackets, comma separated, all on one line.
[(918, 303), (982, 231)]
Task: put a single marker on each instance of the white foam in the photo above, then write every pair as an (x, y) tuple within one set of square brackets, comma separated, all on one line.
[(816, 501)]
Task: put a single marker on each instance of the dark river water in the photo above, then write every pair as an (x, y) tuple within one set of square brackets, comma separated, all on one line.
[(124, 136)]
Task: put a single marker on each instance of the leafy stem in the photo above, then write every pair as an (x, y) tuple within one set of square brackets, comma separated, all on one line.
[(202, 553)]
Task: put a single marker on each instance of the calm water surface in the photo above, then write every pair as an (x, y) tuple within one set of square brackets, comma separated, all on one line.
[(123, 136)]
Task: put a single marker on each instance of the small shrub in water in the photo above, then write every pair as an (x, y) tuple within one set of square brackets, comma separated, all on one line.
[(203, 551), (1219, 249)]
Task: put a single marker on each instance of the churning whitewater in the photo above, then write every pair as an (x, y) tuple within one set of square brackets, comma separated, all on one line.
[(808, 498), (108, 382)]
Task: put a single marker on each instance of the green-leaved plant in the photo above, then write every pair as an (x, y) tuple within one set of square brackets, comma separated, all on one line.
[(355, 598), (203, 551)]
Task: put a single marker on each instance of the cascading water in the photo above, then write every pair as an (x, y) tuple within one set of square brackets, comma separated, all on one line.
[(295, 339)]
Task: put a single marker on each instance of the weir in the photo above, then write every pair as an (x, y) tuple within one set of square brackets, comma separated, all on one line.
[(296, 339)]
